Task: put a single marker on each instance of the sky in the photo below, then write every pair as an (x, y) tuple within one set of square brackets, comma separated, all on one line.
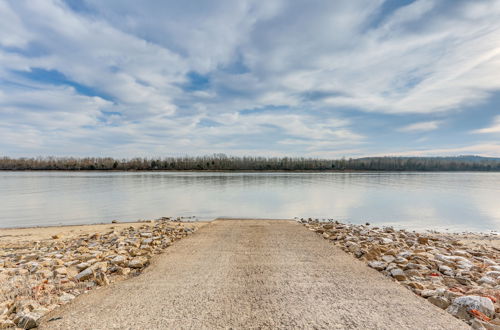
[(329, 79)]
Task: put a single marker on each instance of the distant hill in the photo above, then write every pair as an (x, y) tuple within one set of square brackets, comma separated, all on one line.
[(445, 158), (221, 162)]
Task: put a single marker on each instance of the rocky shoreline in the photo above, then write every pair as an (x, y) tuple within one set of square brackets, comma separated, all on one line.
[(41, 273), (37, 276), (463, 279)]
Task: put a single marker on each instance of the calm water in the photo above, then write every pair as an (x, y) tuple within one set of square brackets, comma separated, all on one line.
[(454, 201)]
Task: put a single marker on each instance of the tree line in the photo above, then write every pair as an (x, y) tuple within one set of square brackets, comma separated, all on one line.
[(221, 162)]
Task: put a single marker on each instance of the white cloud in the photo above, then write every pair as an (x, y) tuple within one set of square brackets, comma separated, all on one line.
[(494, 128), (421, 126), (12, 32), (300, 62)]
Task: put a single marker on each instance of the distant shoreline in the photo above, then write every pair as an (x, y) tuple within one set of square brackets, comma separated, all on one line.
[(258, 171), (223, 163)]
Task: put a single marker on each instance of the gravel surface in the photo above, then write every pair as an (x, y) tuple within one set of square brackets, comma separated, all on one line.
[(253, 274)]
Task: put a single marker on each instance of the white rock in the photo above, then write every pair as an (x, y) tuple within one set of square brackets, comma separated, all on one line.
[(404, 254), (398, 274), (84, 275), (118, 260), (378, 265), (82, 266), (61, 271), (446, 270), (148, 241), (412, 265), (493, 274), (138, 262), (388, 258), (489, 262), (440, 291), (385, 240), (487, 280), (462, 305), (66, 297), (461, 253), (428, 293)]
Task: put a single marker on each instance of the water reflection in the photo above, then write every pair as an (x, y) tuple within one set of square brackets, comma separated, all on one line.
[(458, 201)]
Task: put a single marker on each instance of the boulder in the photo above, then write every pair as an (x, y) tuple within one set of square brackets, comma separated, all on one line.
[(440, 302), (123, 271), (427, 293), (137, 262), (66, 298), (101, 278), (482, 325), (82, 266), (416, 285), (118, 260), (378, 265), (493, 274), (61, 271), (388, 258), (423, 240), (385, 241), (446, 270), (462, 306), (398, 274), (85, 274), (27, 320), (487, 280)]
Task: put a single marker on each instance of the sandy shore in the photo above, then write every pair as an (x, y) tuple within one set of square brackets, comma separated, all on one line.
[(29, 234), (44, 268), (476, 240), (10, 235)]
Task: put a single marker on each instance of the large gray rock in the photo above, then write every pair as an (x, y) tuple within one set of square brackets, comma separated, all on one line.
[(487, 280), (82, 266), (462, 306), (378, 265), (493, 274), (137, 262), (398, 274), (27, 320), (388, 258), (446, 270), (66, 297), (85, 274), (118, 260)]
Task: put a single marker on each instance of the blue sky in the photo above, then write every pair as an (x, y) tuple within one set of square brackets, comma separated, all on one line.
[(127, 78)]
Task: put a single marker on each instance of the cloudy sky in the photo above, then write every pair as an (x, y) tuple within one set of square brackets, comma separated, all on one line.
[(301, 78)]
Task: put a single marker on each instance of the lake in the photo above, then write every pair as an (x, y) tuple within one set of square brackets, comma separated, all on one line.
[(414, 200)]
